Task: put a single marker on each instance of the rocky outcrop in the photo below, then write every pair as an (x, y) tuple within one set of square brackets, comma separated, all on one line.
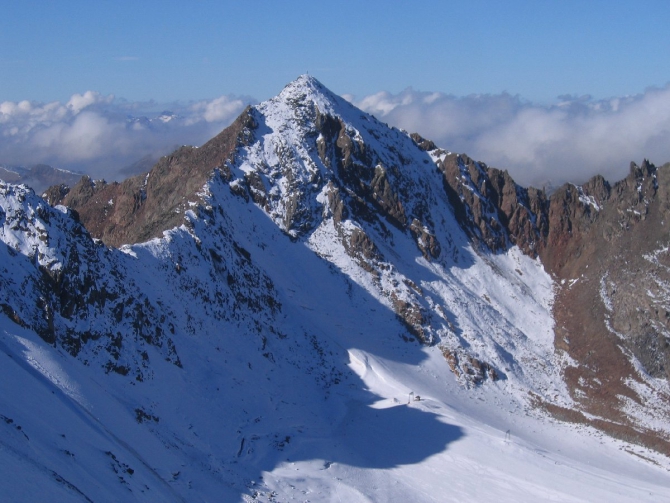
[(74, 289), (425, 240), (144, 206), (609, 253), (606, 246), (493, 209), (468, 368)]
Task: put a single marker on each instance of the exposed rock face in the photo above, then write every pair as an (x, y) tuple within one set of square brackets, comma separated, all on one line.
[(73, 289), (144, 206), (611, 310), (427, 242), (462, 363), (496, 212), (607, 247), (90, 300)]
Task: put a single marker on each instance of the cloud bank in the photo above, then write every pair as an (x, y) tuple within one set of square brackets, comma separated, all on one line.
[(570, 140), (101, 135)]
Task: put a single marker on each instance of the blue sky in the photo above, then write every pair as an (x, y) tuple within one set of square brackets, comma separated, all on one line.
[(531, 86), (167, 50)]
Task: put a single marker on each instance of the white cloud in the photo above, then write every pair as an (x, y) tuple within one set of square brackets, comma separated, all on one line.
[(571, 140), (80, 101), (101, 135), (87, 137), (216, 110)]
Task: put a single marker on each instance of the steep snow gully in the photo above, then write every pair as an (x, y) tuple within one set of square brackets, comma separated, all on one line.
[(319, 328)]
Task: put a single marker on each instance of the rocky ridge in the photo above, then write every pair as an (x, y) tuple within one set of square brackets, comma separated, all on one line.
[(142, 207), (377, 204), (605, 246)]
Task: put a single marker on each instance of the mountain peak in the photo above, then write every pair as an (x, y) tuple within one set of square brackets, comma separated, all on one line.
[(306, 90), (306, 84), (306, 80), (299, 254)]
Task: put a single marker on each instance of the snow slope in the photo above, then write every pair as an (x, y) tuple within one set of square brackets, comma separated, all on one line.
[(257, 356)]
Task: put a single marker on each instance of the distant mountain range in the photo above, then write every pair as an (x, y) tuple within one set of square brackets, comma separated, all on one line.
[(314, 305), (39, 177)]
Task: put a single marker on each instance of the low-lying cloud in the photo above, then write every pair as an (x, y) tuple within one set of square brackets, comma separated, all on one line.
[(101, 135), (570, 140)]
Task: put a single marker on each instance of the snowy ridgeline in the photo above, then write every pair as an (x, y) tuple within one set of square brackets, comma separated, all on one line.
[(234, 359), (314, 406)]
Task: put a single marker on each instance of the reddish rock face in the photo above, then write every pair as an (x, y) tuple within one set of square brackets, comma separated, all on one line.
[(494, 210), (144, 206), (606, 246)]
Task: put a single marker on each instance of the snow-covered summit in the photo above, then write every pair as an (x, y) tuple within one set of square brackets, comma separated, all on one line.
[(307, 89), (309, 139), (366, 198)]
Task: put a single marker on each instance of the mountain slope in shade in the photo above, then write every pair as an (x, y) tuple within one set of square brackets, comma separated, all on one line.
[(310, 274)]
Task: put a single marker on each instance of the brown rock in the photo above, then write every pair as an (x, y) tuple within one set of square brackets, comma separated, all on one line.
[(144, 206)]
